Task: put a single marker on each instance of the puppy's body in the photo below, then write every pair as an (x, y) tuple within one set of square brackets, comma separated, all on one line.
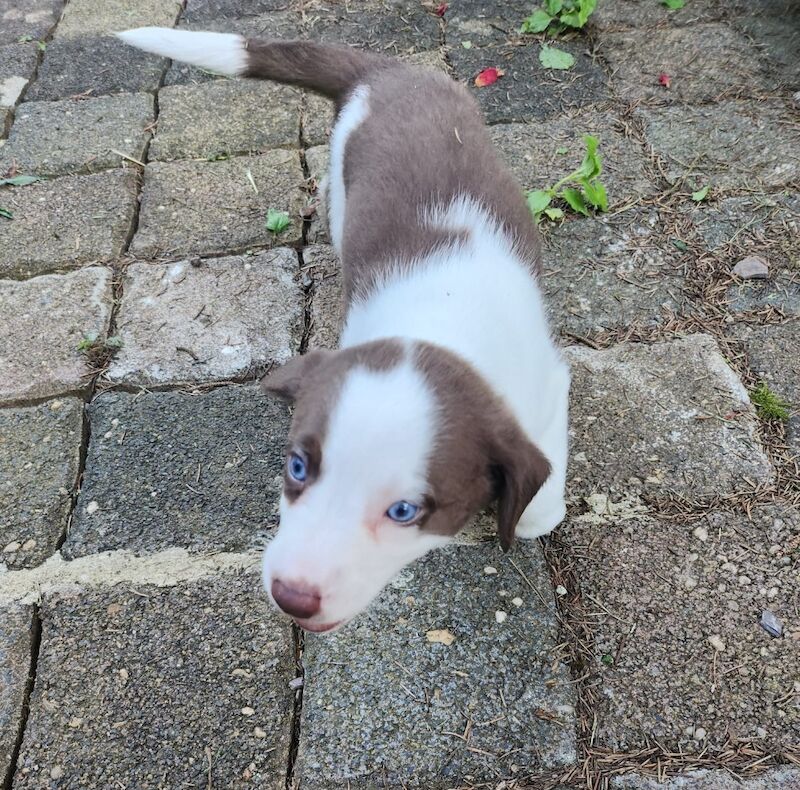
[(448, 390)]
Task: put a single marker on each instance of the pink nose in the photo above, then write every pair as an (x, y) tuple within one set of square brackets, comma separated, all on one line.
[(297, 599)]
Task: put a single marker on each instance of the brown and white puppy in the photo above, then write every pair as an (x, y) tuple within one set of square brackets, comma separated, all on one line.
[(447, 392)]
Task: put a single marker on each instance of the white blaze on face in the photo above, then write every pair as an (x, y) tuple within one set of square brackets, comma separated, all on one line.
[(336, 536)]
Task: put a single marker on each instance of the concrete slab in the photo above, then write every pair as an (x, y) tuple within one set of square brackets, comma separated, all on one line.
[(322, 266), (34, 19), (17, 66), (102, 17), (666, 418), (196, 208), (722, 144), (201, 471), (39, 460), (94, 66), (225, 318), (675, 608), (773, 779), (51, 315), (225, 117), (408, 702), (63, 137), (65, 223), (161, 687)]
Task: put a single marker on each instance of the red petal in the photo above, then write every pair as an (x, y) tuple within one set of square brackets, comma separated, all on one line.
[(441, 8), (488, 76), (664, 79)]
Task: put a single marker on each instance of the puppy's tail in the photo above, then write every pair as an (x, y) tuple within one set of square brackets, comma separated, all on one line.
[(327, 69)]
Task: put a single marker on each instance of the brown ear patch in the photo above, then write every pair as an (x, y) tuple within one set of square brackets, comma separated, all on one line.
[(286, 381)]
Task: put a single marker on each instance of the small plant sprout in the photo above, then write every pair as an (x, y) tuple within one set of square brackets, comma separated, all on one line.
[(581, 189), (768, 405), (99, 351), (277, 221), (673, 5), (556, 16)]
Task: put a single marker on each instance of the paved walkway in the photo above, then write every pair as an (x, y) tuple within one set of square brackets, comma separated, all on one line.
[(141, 296)]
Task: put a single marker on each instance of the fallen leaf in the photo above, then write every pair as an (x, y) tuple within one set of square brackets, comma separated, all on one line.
[(4, 212), (442, 637), (277, 221), (441, 9), (553, 58), (665, 80), (673, 5), (19, 181), (700, 195), (488, 77)]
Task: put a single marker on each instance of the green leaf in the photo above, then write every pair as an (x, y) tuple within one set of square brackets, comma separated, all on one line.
[(552, 58), (591, 166), (554, 213), (538, 201), (277, 221), (4, 212), (562, 149), (42, 46), (536, 22), (553, 7), (24, 39), (595, 193), (608, 660), (700, 195), (575, 199), (681, 245), (466, 44), (19, 181), (673, 5), (579, 17)]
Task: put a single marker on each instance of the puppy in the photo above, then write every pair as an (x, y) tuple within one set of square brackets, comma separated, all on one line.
[(447, 392)]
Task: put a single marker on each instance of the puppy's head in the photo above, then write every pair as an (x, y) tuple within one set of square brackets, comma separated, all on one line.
[(393, 447)]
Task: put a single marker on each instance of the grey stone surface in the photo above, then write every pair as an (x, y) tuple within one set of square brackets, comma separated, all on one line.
[(723, 144), (193, 208), (202, 471), (94, 66), (57, 138), (605, 273), (625, 14), (705, 62), (17, 65), (776, 35), (666, 418), (39, 353), (223, 319), (528, 91), (210, 11), (102, 17), (674, 607), (773, 779), (67, 222), (773, 353), (15, 663), (484, 21), (406, 701), (225, 117), (39, 460), (782, 292), (151, 687), (34, 18), (317, 162), (322, 266)]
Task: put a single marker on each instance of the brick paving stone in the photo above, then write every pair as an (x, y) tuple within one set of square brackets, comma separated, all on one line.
[(57, 138), (144, 687), (193, 208), (484, 21), (674, 606), (723, 144), (66, 222), (528, 91), (773, 352), (94, 66), (705, 62), (201, 471), (404, 697), (17, 66), (16, 644), (773, 779), (38, 357), (781, 291), (608, 273), (666, 418), (542, 153), (223, 319), (225, 117), (34, 18), (322, 265), (102, 17), (39, 460)]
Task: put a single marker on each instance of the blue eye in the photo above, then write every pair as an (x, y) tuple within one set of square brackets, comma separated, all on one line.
[(296, 467), (402, 512)]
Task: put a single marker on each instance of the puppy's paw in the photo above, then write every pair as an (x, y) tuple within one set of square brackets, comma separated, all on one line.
[(537, 520)]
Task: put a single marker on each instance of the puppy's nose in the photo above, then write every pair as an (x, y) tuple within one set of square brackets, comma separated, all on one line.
[(296, 598)]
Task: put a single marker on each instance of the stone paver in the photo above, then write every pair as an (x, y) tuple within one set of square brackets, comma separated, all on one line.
[(223, 319), (94, 66), (202, 471), (17, 65), (34, 18), (625, 14), (102, 17), (15, 663), (773, 779), (777, 37), (667, 418), (781, 291), (407, 701), (210, 11), (484, 21), (39, 460), (322, 265), (225, 117), (705, 62), (67, 222), (161, 687), (675, 608), (191, 208), (39, 360), (528, 91), (610, 273), (57, 138), (723, 144)]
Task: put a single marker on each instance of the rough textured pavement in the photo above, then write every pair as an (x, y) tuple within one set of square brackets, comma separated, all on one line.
[(653, 641)]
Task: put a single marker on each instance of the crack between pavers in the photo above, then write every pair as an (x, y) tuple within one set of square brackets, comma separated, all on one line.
[(292, 781)]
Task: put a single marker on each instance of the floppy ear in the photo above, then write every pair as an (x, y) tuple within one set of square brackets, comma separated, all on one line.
[(521, 470), (286, 381)]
